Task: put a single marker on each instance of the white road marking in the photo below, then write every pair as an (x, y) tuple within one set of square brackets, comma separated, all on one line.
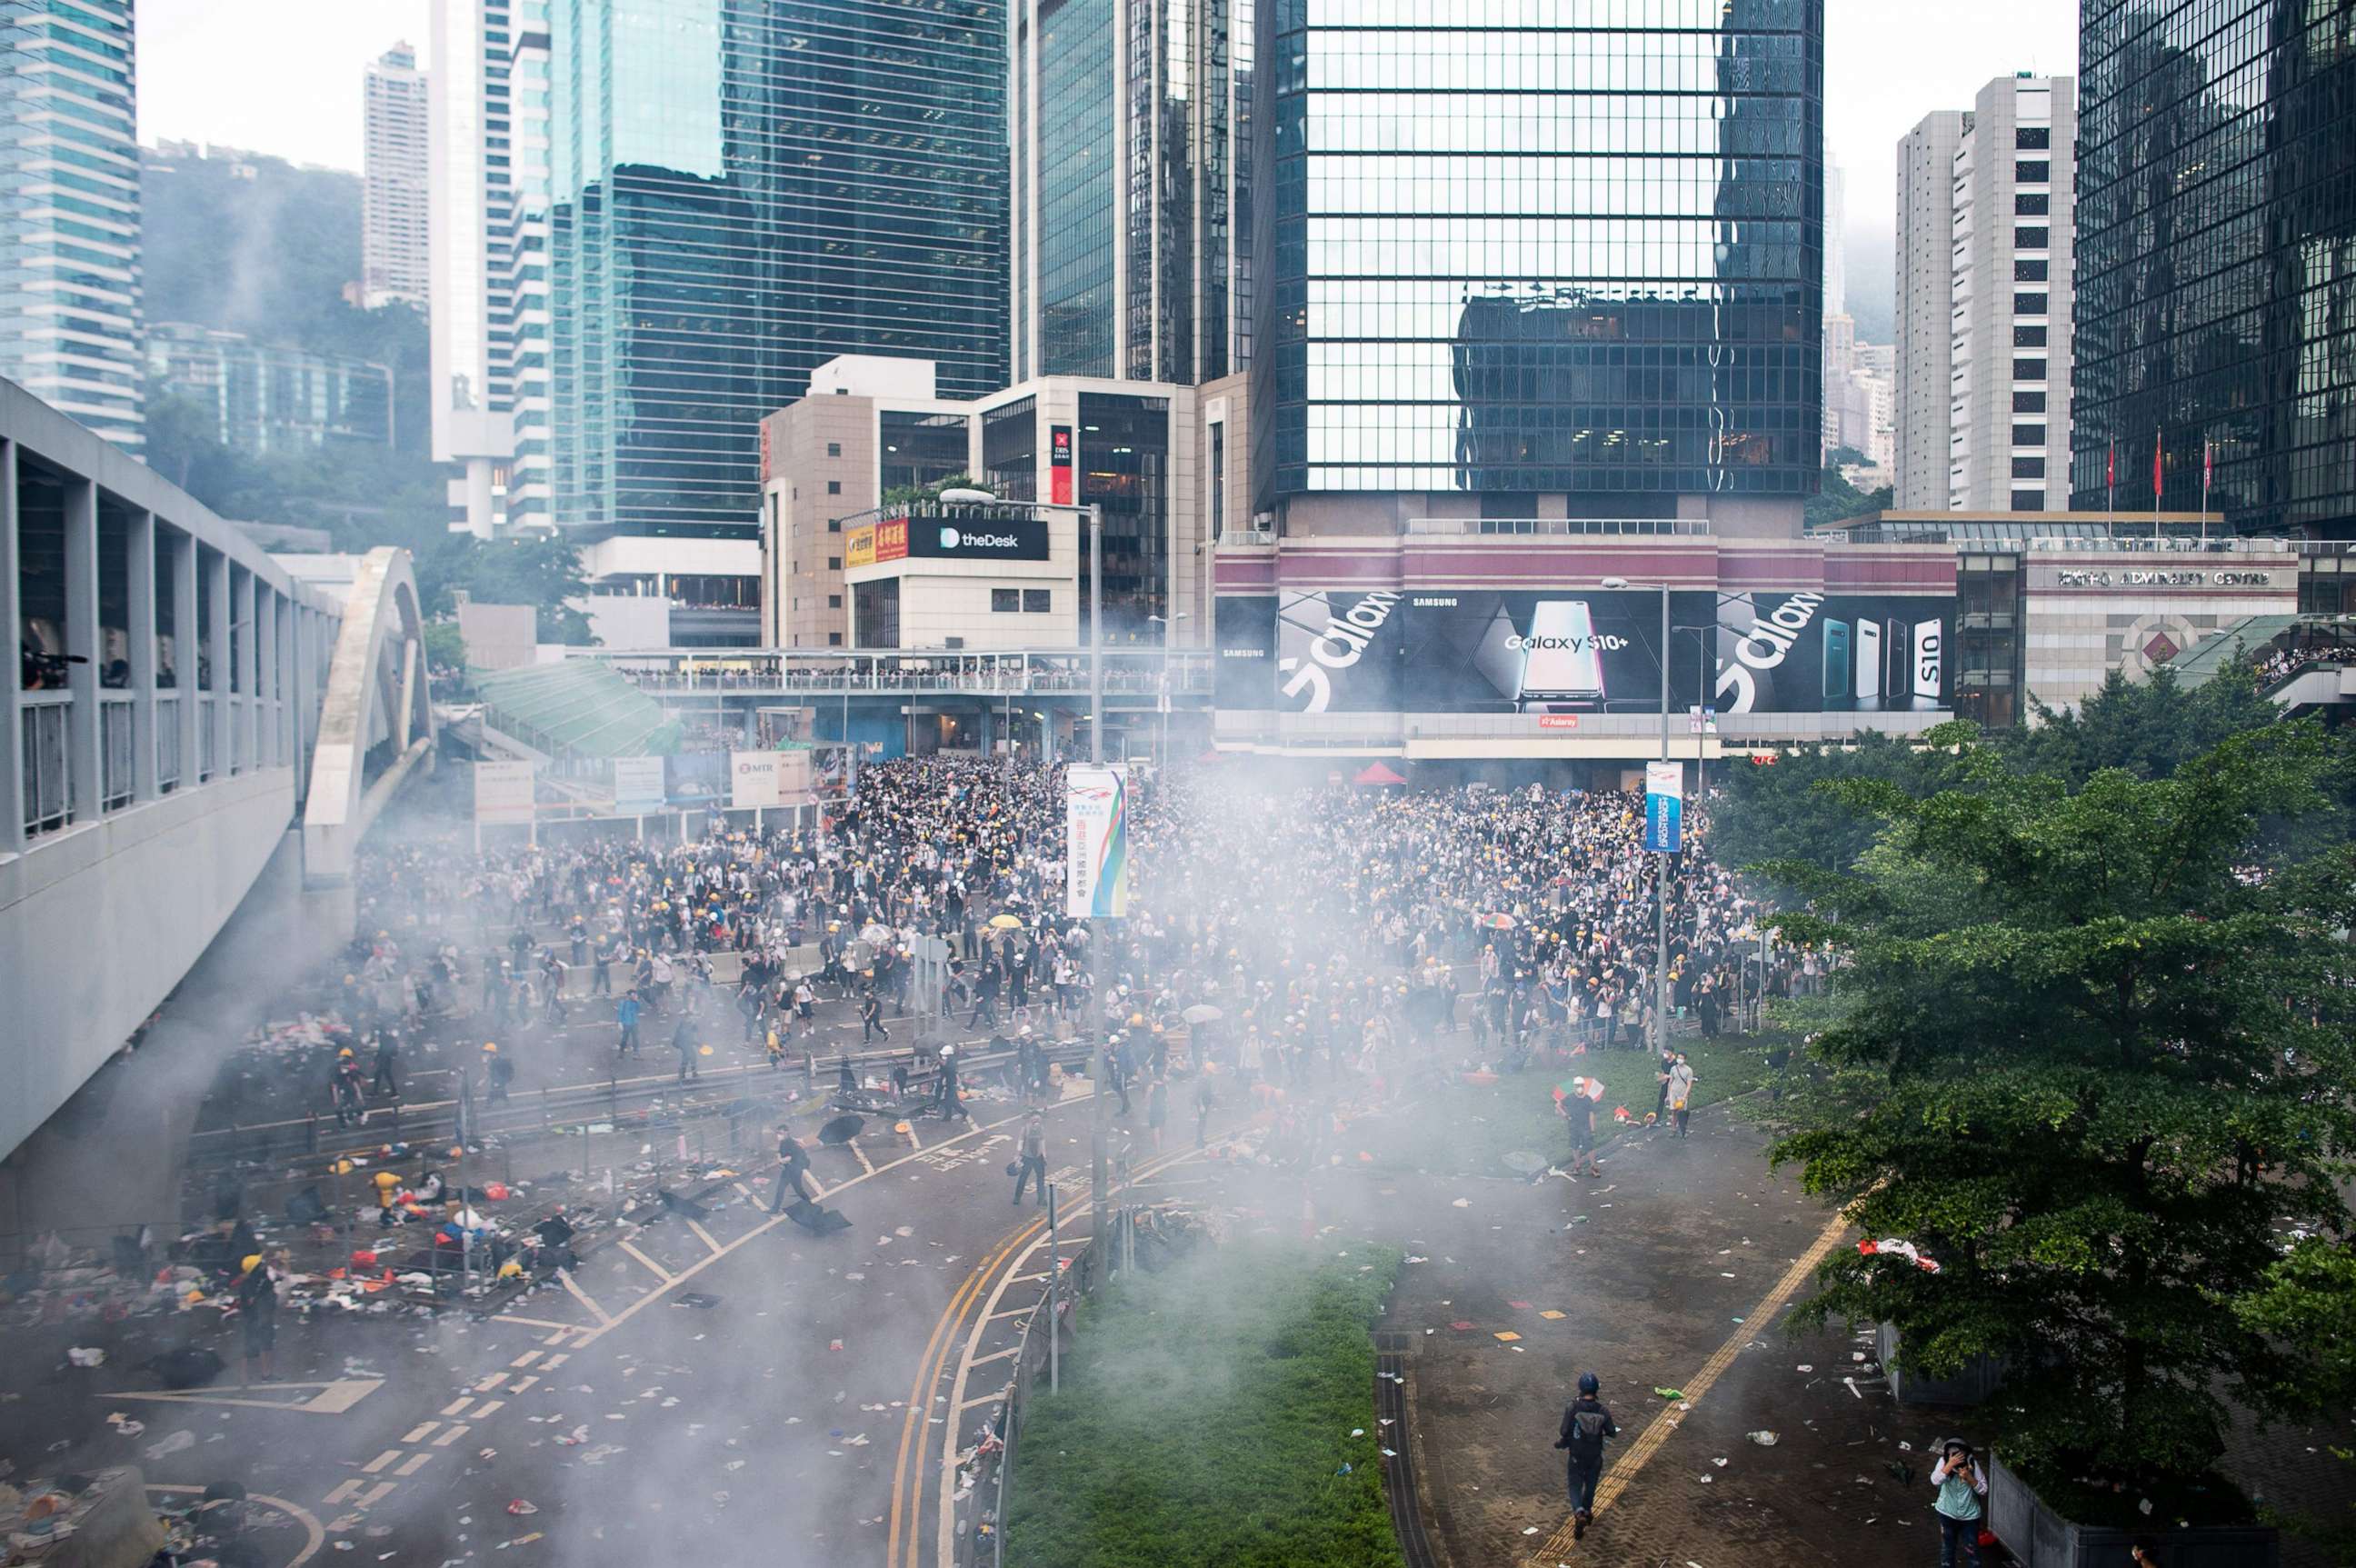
[(454, 1406), (381, 1461), (316, 1534), (416, 1462)]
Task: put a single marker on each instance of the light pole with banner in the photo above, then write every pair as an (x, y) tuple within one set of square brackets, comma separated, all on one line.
[(1096, 860), (1092, 516), (1664, 830)]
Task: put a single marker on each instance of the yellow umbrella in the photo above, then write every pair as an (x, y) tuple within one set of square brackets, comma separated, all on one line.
[(1005, 923)]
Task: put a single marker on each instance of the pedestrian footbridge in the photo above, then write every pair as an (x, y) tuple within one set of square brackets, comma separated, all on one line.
[(188, 720)]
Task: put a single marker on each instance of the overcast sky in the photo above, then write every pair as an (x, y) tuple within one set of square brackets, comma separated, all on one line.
[(284, 76)]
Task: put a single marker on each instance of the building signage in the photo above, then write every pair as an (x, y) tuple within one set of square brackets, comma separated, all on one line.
[(639, 786), (1059, 465), (891, 540), (2097, 577), (503, 791), (1664, 792), (1557, 720), (1096, 833), (859, 547), (752, 780), (975, 536)]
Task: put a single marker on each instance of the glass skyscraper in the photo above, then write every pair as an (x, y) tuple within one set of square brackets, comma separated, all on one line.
[(740, 191), (70, 317), (2216, 308), (1542, 252), (1132, 188)]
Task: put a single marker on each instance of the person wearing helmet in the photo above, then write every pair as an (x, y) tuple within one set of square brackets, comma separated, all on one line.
[(257, 1313), (1586, 1425)]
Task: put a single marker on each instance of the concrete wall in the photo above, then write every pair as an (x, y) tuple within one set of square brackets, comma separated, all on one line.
[(97, 927), (498, 636)]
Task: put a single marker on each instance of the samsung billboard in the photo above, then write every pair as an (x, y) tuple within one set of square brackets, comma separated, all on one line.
[(1801, 652)]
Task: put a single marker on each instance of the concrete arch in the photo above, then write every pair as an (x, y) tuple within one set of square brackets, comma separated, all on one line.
[(376, 720)]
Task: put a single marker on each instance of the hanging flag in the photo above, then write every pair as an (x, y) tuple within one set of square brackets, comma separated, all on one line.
[(2158, 476), (2111, 467), (2208, 464)]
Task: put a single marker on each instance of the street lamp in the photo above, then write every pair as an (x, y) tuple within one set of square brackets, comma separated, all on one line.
[(1661, 872), (1100, 1174), (1167, 626)]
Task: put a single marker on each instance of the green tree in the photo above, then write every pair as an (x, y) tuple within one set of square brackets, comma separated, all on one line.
[(444, 649), (1791, 810), (543, 573), (2148, 727), (1838, 499), (2090, 1053)]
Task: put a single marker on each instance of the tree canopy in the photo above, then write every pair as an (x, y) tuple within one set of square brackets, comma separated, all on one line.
[(2089, 1051)]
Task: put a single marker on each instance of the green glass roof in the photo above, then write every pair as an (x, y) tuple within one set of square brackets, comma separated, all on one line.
[(579, 706)]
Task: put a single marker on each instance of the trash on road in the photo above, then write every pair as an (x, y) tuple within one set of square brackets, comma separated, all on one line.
[(80, 1357), (1670, 1393), (172, 1444), (520, 1507), (695, 1298)]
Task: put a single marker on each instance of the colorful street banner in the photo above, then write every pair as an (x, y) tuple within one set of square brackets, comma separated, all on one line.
[(1095, 830), (1664, 789)]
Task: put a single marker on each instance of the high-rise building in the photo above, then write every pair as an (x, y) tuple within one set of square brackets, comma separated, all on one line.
[(741, 191), (1999, 363), (1920, 313), (2216, 307), (1545, 268), (393, 181), (1131, 207), (70, 304), (470, 179), (270, 398)]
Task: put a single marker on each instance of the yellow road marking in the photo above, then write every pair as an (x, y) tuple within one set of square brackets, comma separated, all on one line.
[(659, 1272), (582, 1297), (704, 1236), (1664, 1425)]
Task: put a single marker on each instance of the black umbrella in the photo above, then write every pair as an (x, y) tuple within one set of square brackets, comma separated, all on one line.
[(819, 1221), (841, 1130)]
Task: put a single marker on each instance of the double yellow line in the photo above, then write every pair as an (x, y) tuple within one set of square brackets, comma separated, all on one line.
[(934, 1363), (929, 1366)]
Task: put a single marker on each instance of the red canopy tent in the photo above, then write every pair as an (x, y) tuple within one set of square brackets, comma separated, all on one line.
[(1375, 773)]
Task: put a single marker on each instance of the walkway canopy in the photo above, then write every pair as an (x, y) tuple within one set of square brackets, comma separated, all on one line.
[(580, 707)]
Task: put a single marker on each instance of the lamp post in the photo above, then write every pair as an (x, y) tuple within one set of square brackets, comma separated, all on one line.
[(1168, 625), (1100, 1132), (1661, 872)]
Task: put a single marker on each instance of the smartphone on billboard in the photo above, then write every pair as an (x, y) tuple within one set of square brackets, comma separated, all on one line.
[(1868, 658), (1562, 664), (1930, 645), (1500, 656), (1836, 660), (1899, 681)]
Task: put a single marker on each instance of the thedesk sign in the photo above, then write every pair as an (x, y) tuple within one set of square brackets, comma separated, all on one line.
[(975, 537)]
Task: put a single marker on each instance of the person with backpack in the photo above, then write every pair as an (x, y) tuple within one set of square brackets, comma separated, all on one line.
[(1586, 1425), (1962, 1487), (1032, 1162)]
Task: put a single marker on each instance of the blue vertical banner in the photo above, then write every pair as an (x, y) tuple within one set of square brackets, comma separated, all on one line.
[(1096, 827), (1664, 807)]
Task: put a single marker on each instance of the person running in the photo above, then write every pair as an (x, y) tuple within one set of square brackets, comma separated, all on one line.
[(1033, 1161), (1587, 1425), (793, 1164)]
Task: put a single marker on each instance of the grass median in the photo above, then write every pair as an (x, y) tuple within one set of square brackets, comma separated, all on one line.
[(1207, 1416)]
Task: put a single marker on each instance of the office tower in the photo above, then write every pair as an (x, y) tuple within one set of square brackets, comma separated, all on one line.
[(393, 182), (1920, 309), (1836, 241), (519, 271), (740, 191), (2216, 307), (1983, 291), (268, 399), (70, 316), (1542, 269), (470, 181), (1131, 208)]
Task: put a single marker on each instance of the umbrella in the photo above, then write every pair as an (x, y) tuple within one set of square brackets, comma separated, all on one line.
[(841, 1130), (1591, 1088), (1202, 1012), (873, 932), (1500, 922), (1005, 923), (821, 1221)]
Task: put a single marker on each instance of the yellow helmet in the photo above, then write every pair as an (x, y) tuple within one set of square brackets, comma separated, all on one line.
[(490, 1048)]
